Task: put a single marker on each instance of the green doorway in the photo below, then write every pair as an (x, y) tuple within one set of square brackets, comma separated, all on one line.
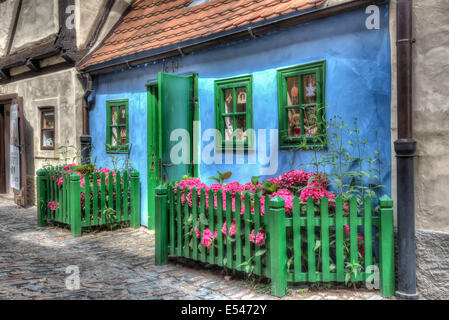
[(172, 104)]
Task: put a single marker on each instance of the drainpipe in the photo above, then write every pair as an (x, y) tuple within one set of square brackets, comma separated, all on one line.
[(405, 148), (86, 139)]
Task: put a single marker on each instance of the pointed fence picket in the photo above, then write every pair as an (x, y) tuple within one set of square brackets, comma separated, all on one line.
[(305, 245), (84, 206)]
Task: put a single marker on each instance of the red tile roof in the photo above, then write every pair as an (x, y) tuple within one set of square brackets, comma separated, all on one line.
[(152, 24)]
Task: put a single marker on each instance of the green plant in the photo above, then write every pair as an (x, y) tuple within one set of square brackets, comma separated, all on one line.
[(222, 177), (352, 271), (110, 217)]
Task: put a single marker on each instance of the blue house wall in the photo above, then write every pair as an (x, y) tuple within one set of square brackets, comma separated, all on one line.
[(358, 84)]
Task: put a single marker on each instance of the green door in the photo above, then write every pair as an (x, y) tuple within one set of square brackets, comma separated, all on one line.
[(170, 107), (175, 103)]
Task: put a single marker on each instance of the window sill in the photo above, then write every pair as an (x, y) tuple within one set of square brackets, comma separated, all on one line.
[(112, 151)]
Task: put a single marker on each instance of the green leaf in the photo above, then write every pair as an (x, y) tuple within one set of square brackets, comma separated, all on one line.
[(317, 245), (214, 178), (203, 219), (255, 180), (260, 252)]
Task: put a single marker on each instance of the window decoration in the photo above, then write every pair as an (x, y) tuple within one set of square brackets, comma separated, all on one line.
[(47, 128), (233, 112), (301, 92), (117, 135)]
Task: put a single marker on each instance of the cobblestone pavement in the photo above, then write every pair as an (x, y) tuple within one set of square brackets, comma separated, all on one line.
[(112, 265)]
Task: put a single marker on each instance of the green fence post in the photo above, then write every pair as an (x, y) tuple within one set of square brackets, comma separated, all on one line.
[(161, 225), (277, 246), (75, 204), (386, 247), (135, 200), (41, 200)]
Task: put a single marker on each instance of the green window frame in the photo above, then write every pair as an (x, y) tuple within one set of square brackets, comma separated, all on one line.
[(302, 118), (118, 109), (230, 112)]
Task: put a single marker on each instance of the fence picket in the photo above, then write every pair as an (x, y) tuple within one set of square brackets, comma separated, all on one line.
[(172, 225), (95, 198), (220, 246), (311, 240), (110, 190), (202, 219), (102, 197), (257, 215), (125, 196), (118, 195), (296, 239), (195, 223), (353, 232), (339, 239), (325, 239), (238, 232), (178, 222), (186, 235), (247, 225), (212, 227), (368, 236), (87, 199), (229, 253)]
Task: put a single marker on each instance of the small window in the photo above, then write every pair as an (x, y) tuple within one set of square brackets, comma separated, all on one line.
[(301, 92), (47, 128), (234, 113), (117, 136)]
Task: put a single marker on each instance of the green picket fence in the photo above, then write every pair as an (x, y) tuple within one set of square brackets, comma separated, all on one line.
[(84, 206), (290, 253)]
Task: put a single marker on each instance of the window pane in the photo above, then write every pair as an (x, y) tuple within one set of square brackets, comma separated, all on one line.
[(310, 121), (114, 116), (309, 88), (48, 138), (241, 99), (122, 136), (292, 91), (49, 120), (240, 128), (123, 115), (229, 103), (294, 122), (114, 136), (228, 128)]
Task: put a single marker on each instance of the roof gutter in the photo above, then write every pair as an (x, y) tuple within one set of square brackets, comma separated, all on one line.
[(405, 148), (248, 31)]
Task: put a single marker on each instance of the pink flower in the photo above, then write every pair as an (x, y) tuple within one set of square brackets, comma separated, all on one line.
[(260, 237), (208, 237), (252, 236), (53, 205)]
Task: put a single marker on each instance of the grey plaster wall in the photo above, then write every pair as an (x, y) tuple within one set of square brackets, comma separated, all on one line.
[(432, 259), (8, 10), (431, 113), (38, 22), (62, 90)]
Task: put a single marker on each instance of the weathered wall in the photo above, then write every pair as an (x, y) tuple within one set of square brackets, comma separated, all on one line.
[(432, 257), (38, 22), (62, 90), (431, 113), (88, 16), (358, 85), (8, 10)]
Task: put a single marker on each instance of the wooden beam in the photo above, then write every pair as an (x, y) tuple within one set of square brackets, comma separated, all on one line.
[(33, 65)]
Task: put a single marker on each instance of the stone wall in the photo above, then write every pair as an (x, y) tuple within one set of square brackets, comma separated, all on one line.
[(432, 257)]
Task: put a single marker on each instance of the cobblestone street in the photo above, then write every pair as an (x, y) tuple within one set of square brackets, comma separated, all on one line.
[(112, 265)]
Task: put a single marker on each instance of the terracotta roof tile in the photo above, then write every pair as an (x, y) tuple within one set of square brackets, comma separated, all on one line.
[(152, 24)]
